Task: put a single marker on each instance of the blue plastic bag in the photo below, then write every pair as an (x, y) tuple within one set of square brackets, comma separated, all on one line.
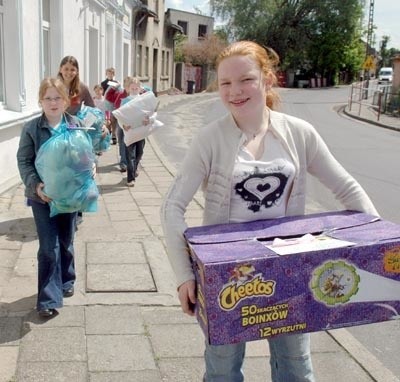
[(94, 118), (65, 163)]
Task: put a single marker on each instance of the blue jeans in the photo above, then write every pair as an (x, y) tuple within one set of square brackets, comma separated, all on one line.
[(134, 154), (121, 146), (56, 266), (290, 360)]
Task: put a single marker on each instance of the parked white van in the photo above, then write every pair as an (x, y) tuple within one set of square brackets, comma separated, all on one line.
[(385, 75)]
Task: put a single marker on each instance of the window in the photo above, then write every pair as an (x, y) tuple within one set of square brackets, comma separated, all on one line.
[(146, 62), (139, 60), (167, 65), (46, 42), (184, 26), (202, 31), (2, 77), (163, 63)]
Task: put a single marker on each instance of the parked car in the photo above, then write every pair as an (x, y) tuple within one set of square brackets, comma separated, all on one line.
[(385, 75)]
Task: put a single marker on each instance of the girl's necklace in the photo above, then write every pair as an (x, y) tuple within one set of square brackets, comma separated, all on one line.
[(260, 132)]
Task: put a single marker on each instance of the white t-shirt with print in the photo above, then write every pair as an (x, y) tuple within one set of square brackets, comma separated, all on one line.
[(260, 188)]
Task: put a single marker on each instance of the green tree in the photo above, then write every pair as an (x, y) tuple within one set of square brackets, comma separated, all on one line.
[(335, 39), (179, 40), (222, 32), (202, 52), (384, 52), (279, 24), (317, 36)]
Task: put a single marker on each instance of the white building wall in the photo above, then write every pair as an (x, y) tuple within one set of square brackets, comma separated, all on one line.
[(71, 30), (98, 33), (30, 53), (9, 138), (75, 33), (118, 48), (21, 56)]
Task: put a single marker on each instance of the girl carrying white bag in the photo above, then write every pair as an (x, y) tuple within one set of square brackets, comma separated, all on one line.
[(134, 112)]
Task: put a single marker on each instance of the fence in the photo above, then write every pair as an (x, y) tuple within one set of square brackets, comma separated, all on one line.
[(374, 96)]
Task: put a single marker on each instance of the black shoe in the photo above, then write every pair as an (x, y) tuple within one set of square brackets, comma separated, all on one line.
[(47, 312), (122, 168), (114, 140), (79, 219), (69, 292)]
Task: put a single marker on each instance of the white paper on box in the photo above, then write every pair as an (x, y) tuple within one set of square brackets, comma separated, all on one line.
[(307, 243)]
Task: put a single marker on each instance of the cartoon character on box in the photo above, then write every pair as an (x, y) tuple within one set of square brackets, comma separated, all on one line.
[(335, 282), (242, 273), (333, 287)]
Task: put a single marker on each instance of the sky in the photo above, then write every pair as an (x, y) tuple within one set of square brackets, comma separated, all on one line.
[(386, 17)]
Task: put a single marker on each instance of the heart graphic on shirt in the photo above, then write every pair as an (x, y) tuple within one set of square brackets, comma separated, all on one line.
[(262, 187)]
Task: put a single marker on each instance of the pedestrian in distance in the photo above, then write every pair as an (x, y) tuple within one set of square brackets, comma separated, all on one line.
[(98, 98), (252, 146), (56, 266), (134, 152), (117, 97), (109, 83), (110, 74)]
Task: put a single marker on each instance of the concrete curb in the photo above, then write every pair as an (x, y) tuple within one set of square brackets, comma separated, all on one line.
[(343, 110)]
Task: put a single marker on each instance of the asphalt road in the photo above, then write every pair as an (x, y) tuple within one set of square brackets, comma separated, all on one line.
[(368, 152)]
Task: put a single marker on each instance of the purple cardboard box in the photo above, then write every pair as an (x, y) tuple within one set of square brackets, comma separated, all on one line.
[(247, 291)]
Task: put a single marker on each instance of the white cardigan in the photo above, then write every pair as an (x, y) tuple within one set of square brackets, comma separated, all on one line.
[(209, 163)]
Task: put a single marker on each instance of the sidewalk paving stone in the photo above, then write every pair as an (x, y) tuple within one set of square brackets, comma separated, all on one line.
[(119, 278), (119, 353), (52, 371)]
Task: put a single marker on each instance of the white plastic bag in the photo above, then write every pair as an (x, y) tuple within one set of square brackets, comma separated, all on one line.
[(134, 111), (135, 134)]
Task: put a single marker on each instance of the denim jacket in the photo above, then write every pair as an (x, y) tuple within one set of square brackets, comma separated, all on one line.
[(34, 134)]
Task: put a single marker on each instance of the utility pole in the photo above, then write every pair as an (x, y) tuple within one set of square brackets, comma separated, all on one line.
[(368, 57), (370, 29)]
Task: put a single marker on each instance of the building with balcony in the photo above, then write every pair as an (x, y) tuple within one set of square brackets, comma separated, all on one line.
[(132, 36)]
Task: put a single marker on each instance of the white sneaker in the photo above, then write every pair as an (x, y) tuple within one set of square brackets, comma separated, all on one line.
[(131, 183)]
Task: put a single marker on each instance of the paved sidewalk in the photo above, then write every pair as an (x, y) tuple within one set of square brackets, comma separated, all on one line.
[(367, 113), (124, 322)]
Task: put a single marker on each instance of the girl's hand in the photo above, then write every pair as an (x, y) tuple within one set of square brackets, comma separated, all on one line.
[(104, 131), (126, 127), (108, 124), (41, 194), (146, 120), (150, 118), (187, 296)]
